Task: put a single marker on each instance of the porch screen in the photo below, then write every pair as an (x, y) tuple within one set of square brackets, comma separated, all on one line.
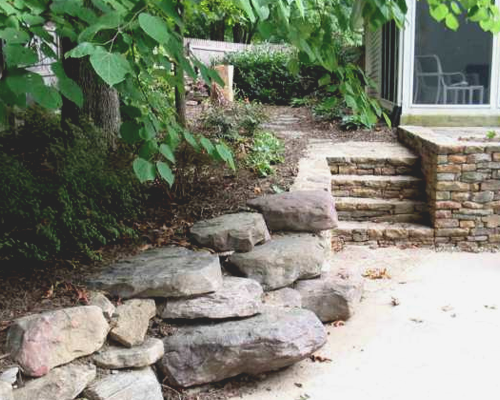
[(450, 67)]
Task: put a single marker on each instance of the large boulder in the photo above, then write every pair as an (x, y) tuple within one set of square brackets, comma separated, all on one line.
[(140, 384), (100, 300), (269, 341), (283, 260), (131, 321), (238, 297), (283, 298), (64, 383), (300, 211), (166, 272), (41, 342), (334, 296), (238, 232), (137, 357), (6, 391)]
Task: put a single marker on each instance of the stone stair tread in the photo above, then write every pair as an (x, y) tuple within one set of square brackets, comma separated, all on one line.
[(359, 202), (341, 179), (366, 232), (365, 225)]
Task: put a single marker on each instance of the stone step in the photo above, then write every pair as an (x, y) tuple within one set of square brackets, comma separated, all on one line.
[(377, 158), (383, 234), (382, 186), (380, 210)]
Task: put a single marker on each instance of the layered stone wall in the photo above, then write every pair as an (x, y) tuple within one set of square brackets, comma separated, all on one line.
[(462, 173)]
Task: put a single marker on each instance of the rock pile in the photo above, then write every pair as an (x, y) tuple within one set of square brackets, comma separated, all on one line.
[(234, 326)]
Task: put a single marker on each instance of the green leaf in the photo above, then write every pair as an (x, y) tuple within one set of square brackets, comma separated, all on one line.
[(226, 155), (148, 149), (68, 87), (46, 96), (247, 7), (300, 6), (22, 81), (82, 50), (165, 172), (440, 12), (167, 152), (456, 8), (14, 36), (154, 27), (452, 22), (16, 55), (207, 145), (129, 131), (190, 139), (144, 170), (111, 67)]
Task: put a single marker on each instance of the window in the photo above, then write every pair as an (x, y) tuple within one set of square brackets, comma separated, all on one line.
[(450, 67)]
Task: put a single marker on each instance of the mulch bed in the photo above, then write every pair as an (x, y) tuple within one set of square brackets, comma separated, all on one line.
[(27, 290)]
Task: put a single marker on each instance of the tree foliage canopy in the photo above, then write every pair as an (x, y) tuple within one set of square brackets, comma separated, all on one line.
[(130, 42)]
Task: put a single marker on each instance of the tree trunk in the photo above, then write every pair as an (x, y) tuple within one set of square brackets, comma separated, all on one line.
[(238, 33), (101, 102), (218, 30), (180, 90)]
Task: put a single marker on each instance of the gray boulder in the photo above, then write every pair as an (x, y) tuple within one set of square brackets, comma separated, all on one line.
[(137, 357), (238, 297), (300, 211), (283, 298), (166, 272), (40, 342), (9, 375), (334, 296), (63, 383), (266, 342), (98, 299), (140, 384), (131, 321), (282, 261), (238, 232), (6, 391)]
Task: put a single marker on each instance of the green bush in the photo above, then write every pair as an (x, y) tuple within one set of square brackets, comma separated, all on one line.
[(263, 74), (266, 151), (64, 191)]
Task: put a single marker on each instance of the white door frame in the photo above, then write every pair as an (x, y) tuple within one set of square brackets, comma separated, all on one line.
[(408, 48)]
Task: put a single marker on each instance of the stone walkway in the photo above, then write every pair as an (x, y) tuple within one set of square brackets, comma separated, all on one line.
[(440, 342)]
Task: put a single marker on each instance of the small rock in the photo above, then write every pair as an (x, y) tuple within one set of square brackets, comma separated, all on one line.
[(63, 383), (238, 297), (266, 342), (137, 357), (38, 343), (238, 232), (302, 210), (282, 261), (98, 299), (10, 375), (334, 296), (283, 298), (139, 384), (6, 391), (166, 272), (131, 321)]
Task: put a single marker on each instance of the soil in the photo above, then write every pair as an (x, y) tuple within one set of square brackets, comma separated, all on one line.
[(209, 191)]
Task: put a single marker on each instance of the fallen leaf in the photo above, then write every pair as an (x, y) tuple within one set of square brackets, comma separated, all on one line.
[(321, 359), (338, 324), (395, 302), (376, 273)]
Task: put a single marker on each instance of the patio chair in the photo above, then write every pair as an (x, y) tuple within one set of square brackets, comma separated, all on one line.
[(450, 87)]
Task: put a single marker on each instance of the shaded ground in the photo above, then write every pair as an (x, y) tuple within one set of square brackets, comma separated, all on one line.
[(429, 332), (215, 191)]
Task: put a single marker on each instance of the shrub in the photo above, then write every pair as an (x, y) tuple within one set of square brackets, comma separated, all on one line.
[(266, 150), (263, 74), (64, 191)]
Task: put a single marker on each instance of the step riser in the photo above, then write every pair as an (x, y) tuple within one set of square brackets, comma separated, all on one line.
[(391, 212), (412, 191), (377, 216), (369, 169)]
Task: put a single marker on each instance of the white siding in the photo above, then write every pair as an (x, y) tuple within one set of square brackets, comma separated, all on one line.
[(373, 55)]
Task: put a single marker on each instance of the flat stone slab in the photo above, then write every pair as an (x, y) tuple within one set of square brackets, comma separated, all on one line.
[(10, 375), (139, 384), (131, 321), (298, 211), (166, 272), (283, 298), (6, 391), (266, 342), (238, 232), (137, 357), (63, 383), (283, 260), (334, 296), (38, 343), (238, 297), (100, 300)]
